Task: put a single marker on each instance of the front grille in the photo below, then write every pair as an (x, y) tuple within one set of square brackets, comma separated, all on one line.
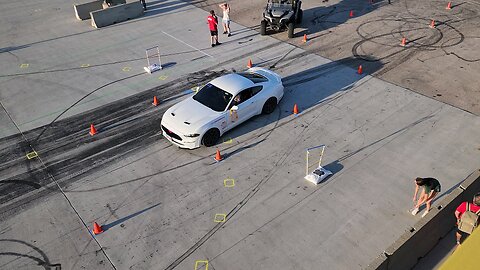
[(171, 134)]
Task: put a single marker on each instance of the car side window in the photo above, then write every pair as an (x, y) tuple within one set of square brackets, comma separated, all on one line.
[(241, 97), (245, 95), (256, 89)]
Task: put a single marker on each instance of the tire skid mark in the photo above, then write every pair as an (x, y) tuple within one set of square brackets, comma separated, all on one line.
[(69, 152)]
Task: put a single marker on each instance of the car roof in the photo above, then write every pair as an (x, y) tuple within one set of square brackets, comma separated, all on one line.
[(232, 83)]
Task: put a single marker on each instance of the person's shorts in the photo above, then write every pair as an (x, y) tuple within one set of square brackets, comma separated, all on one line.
[(436, 188), (463, 234), (213, 33), (226, 21)]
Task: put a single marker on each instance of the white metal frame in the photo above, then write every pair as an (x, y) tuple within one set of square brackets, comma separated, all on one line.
[(321, 156), (149, 66)]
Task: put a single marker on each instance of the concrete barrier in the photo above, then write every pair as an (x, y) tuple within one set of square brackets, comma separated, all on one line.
[(82, 11), (419, 240), (116, 14), (112, 3)]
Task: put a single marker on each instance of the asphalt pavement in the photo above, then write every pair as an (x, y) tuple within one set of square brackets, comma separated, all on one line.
[(167, 208)]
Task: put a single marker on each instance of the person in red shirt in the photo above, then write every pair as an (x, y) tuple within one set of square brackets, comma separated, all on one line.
[(213, 25), (462, 208)]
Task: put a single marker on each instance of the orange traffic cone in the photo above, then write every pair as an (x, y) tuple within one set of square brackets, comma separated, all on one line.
[(404, 42), (432, 24), (304, 38), (351, 13), (97, 229), (360, 69), (249, 64), (295, 109), (218, 156), (93, 131), (449, 5), (155, 101)]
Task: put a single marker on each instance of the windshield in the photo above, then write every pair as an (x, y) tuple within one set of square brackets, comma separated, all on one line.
[(213, 97)]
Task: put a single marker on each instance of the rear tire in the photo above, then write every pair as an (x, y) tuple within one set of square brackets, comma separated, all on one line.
[(290, 28), (210, 138), (263, 27), (269, 106)]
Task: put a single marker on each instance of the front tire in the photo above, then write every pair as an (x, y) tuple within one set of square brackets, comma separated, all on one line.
[(290, 28), (263, 27), (269, 106), (210, 138)]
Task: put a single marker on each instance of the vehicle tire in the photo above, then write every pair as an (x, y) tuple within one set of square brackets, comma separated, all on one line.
[(263, 27), (211, 137), (269, 106), (290, 28), (299, 16)]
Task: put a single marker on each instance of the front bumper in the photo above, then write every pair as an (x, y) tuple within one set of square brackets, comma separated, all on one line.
[(179, 139)]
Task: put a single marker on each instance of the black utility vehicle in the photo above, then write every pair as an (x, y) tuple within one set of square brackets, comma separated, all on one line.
[(280, 15)]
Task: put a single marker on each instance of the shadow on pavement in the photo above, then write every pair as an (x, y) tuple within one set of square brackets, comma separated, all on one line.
[(121, 220)]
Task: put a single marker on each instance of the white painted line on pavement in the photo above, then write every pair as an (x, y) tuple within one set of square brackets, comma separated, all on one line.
[(188, 44)]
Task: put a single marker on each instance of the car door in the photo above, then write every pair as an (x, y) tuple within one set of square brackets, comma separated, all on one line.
[(247, 106), (257, 100)]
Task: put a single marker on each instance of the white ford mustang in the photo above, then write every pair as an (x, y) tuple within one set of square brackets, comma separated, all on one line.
[(220, 105)]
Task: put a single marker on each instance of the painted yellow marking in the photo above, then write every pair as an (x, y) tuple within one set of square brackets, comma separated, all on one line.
[(229, 182), (126, 69), (32, 155), (220, 218), (24, 65), (163, 77), (195, 89), (228, 141), (200, 264), (85, 65)]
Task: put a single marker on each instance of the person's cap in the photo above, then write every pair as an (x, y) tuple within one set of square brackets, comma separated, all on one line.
[(476, 199)]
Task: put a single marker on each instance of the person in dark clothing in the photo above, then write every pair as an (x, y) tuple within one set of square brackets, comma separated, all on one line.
[(144, 4), (431, 187)]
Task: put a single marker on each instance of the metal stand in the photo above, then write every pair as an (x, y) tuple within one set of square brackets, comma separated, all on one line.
[(152, 67)]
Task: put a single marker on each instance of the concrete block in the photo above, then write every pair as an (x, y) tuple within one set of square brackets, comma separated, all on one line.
[(380, 263), (82, 11), (471, 185), (118, 2), (402, 253), (116, 14), (113, 3)]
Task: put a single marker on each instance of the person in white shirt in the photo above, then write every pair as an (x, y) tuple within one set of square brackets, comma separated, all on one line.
[(226, 18)]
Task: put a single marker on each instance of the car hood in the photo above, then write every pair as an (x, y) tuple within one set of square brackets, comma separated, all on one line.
[(279, 11), (188, 116)]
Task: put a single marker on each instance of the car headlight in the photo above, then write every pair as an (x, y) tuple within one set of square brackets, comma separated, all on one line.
[(192, 135)]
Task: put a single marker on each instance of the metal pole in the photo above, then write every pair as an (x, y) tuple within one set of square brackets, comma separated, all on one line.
[(306, 171)]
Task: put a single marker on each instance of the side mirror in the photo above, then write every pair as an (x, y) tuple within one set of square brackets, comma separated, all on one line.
[(234, 108)]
